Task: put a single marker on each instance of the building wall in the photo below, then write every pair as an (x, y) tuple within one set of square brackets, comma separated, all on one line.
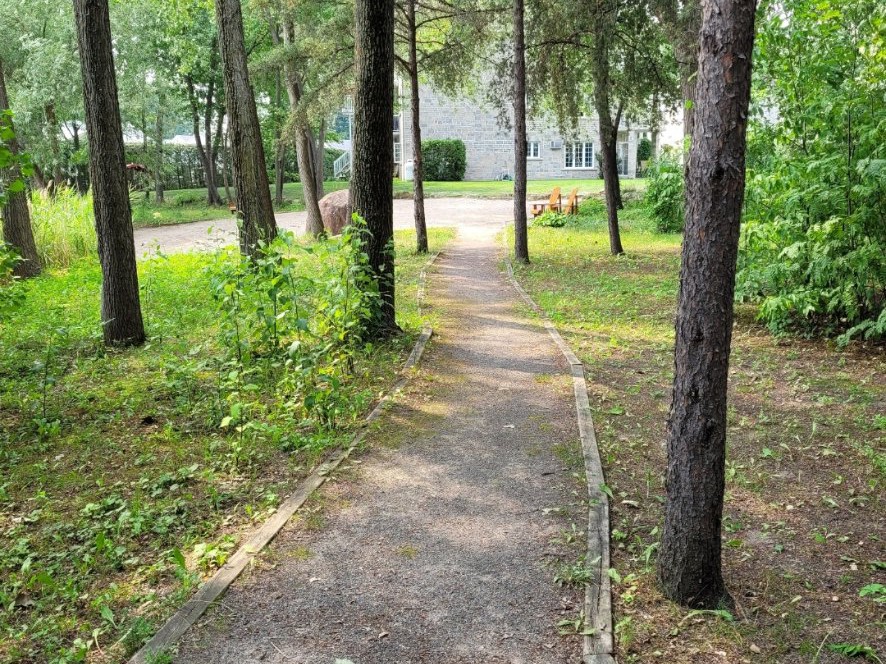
[(490, 149)]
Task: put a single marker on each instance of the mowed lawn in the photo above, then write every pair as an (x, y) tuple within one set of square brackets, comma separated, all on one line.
[(804, 522), (184, 205), (120, 486)]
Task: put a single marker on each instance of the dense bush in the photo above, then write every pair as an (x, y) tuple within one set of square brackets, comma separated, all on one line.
[(664, 195), (644, 150), (296, 313), (813, 246), (550, 219), (444, 160)]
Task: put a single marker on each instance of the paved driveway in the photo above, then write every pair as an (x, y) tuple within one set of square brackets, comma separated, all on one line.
[(457, 212)]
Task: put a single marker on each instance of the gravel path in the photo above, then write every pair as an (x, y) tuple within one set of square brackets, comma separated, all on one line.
[(212, 234), (436, 546)]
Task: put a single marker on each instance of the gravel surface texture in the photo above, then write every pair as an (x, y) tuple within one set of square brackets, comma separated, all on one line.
[(220, 232), (439, 543)]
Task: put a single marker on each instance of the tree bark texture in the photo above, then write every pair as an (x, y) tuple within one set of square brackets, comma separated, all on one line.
[(251, 186), (204, 150), (280, 148), (304, 142), (418, 172), (371, 193), (521, 239), (689, 560), (320, 159), (608, 130), (17, 230), (158, 150), (121, 308)]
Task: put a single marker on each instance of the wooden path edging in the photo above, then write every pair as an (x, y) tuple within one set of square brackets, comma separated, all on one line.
[(598, 644), (209, 592)]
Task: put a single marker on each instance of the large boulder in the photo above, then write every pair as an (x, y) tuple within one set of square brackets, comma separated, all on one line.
[(336, 212)]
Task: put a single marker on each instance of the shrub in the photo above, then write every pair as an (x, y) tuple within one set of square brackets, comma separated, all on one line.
[(644, 150), (550, 219), (63, 227), (664, 194), (444, 160)]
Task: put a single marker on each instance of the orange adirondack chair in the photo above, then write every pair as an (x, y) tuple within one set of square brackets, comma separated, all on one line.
[(572, 203), (554, 203)]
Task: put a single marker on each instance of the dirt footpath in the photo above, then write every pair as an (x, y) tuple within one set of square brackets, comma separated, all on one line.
[(213, 234), (440, 545)]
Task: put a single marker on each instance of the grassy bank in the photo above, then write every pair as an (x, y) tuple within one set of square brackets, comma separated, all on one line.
[(186, 205), (804, 516), (128, 475)]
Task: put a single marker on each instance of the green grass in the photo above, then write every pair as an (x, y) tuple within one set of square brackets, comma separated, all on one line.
[(186, 205), (806, 449), (119, 489)]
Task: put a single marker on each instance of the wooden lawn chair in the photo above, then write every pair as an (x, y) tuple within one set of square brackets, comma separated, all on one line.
[(554, 203), (572, 203)]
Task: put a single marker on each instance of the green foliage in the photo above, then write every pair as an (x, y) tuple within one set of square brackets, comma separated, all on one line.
[(11, 293), (813, 248), (664, 195), (644, 149), (445, 160), (63, 227), (854, 650), (550, 219)]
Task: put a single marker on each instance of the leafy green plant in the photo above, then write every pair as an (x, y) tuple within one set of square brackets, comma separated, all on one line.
[(854, 650), (63, 226), (664, 195), (550, 219)]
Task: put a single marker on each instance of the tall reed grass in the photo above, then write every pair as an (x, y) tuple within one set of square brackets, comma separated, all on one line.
[(63, 227)]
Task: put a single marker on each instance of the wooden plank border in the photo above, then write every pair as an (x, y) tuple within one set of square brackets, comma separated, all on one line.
[(168, 635), (598, 645)]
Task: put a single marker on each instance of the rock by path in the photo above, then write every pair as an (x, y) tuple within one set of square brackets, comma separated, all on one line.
[(220, 232), (438, 546)]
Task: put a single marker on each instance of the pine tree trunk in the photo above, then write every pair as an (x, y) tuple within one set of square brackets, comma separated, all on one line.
[(689, 560), (371, 186), (320, 158), (608, 132), (418, 172), (304, 142), (158, 150), (280, 156), (251, 185), (121, 309), (17, 230), (521, 238)]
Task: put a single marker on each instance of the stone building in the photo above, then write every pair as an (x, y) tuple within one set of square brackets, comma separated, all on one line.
[(490, 147)]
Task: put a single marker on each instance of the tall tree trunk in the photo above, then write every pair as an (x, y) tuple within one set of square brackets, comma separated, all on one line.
[(144, 130), (226, 163), (203, 150), (521, 236), (371, 187), (304, 141), (616, 122), (121, 309), (279, 146), (247, 151), (17, 230), (52, 129), (320, 158), (418, 171), (689, 565), (216, 145), (158, 149), (608, 131)]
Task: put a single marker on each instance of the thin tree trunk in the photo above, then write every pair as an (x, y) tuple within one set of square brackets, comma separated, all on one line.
[(418, 173), (608, 132), (121, 308), (54, 148), (212, 197), (689, 565), (280, 148), (216, 145), (17, 231), (304, 142), (226, 163), (616, 122), (247, 151), (371, 193), (320, 158), (158, 149), (521, 238)]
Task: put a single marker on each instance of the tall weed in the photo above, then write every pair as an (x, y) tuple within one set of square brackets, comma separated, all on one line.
[(63, 227)]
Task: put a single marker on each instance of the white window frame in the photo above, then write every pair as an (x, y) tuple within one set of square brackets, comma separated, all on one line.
[(533, 149), (580, 149)]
